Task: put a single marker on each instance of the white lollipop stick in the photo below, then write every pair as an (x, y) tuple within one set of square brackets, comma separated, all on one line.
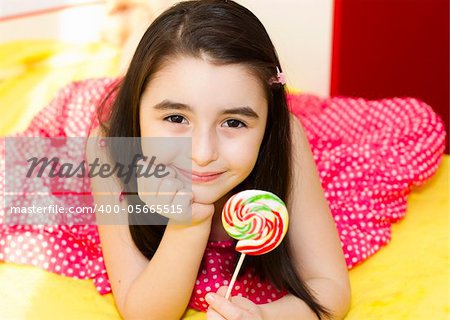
[(233, 279)]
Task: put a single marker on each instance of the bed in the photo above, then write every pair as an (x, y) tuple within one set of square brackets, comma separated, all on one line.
[(408, 279)]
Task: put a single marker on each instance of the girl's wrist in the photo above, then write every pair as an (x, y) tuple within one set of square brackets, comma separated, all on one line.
[(199, 228), (196, 235)]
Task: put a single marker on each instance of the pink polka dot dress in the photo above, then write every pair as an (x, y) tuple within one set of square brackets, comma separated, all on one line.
[(369, 155)]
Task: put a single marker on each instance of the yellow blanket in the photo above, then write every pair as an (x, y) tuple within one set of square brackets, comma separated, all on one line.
[(408, 279), (31, 72)]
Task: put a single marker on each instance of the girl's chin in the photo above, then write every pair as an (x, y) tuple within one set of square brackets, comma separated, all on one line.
[(207, 195)]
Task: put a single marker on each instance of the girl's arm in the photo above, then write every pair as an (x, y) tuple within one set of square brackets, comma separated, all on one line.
[(314, 240), (143, 289), (157, 289), (162, 290)]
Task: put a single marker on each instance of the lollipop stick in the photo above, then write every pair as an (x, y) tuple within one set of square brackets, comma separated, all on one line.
[(233, 279)]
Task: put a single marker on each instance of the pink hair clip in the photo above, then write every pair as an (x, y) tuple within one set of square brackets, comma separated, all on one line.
[(281, 78)]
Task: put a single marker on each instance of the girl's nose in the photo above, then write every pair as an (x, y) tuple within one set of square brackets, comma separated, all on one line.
[(204, 147)]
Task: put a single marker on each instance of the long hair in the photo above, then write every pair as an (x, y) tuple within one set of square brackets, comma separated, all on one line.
[(227, 33)]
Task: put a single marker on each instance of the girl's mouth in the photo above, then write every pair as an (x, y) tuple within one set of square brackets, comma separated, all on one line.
[(199, 176)]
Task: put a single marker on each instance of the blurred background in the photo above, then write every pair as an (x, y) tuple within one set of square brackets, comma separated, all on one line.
[(366, 48)]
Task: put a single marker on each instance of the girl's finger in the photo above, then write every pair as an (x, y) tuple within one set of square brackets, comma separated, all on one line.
[(222, 291), (225, 307), (171, 171), (168, 198), (167, 191), (182, 205), (212, 314), (147, 186), (239, 301)]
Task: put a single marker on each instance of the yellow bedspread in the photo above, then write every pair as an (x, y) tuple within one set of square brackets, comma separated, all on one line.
[(31, 72), (408, 279)]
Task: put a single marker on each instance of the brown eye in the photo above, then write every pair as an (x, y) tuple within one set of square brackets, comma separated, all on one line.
[(233, 123), (174, 119)]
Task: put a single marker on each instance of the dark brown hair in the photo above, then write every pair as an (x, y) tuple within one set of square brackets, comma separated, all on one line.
[(226, 33)]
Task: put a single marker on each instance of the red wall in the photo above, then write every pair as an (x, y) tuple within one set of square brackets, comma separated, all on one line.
[(386, 48)]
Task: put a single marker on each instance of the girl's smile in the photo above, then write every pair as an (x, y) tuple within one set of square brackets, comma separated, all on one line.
[(199, 177)]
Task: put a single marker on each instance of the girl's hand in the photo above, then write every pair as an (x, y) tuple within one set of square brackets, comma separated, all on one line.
[(239, 308), (171, 199)]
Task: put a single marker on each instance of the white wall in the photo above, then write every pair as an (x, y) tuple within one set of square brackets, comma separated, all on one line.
[(80, 23), (16, 7), (302, 33)]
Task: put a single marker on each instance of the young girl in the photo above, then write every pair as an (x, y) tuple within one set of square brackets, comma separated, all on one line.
[(202, 72), (208, 70)]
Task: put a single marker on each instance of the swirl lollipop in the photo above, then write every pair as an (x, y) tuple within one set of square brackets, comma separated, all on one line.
[(258, 219)]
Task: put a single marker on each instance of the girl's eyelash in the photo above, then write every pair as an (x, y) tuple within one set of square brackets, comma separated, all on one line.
[(173, 116), (180, 117), (243, 125)]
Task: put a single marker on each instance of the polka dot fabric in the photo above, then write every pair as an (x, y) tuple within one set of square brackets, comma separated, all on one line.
[(369, 155), (216, 270), (69, 250)]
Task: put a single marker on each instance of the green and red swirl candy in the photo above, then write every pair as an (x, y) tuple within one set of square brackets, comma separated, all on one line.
[(258, 219)]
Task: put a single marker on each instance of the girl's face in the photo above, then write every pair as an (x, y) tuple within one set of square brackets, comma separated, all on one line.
[(222, 109)]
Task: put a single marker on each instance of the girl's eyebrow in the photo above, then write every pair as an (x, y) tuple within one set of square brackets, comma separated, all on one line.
[(169, 105)]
